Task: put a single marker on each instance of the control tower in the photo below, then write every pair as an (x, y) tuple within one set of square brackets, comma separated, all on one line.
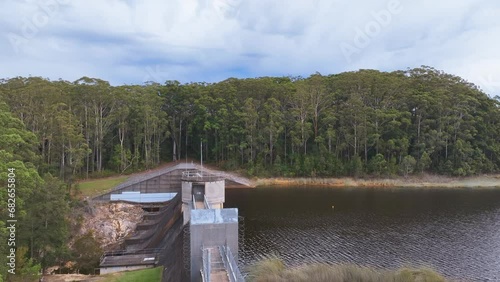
[(201, 190)]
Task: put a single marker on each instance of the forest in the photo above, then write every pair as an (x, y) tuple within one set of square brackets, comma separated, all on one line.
[(363, 123), (350, 124)]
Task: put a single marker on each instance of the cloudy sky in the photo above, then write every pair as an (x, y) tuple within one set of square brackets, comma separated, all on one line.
[(133, 41)]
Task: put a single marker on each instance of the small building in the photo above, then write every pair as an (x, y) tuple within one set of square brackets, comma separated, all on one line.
[(201, 190), (126, 262)]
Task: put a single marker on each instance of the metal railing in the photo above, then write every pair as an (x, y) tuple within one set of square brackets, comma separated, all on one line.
[(207, 204), (231, 266), (194, 203), (201, 176), (192, 174), (116, 253), (206, 266), (135, 252)]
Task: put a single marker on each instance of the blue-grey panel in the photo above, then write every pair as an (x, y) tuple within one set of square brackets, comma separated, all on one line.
[(138, 197), (205, 216)]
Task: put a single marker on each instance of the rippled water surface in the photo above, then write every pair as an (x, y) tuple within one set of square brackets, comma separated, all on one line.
[(455, 231)]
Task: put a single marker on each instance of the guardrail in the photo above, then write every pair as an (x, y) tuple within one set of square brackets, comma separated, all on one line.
[(207, 204), (231, 265), (116, 253), (206, 266), (135, 252), (201, 176)]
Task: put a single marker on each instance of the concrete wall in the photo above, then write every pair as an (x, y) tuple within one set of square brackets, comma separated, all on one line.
[(167, 183), (215, 192), (211, 228), (107, 270), (186, 210), (187, 192)]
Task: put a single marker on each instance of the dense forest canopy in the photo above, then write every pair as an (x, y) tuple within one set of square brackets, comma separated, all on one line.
[(350, 124), (354, 123)]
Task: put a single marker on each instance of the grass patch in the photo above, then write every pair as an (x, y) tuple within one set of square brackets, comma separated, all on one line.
[(95, 187), (273, 270), (150, 275)]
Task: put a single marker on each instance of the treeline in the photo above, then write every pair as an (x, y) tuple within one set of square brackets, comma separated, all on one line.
[(38, 204), (354, 123)]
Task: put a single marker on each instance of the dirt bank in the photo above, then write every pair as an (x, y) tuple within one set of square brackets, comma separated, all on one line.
[(485, 181)]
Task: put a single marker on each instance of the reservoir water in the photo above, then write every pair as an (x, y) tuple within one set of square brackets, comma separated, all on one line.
[(454, 231)]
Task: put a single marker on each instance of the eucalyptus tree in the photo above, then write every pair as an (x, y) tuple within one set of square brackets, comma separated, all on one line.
[(122, 155), (250, 119), (148, 123), (300, 110), (96, 104), (178, 103)]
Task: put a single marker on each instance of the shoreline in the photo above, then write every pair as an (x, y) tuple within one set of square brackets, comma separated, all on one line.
[(423, 181)]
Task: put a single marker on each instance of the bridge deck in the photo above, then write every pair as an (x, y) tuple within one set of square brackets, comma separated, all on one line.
[(199, 205), (218, 272), (219, 276)]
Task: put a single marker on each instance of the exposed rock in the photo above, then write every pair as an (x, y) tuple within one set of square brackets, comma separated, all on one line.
[(111, 223)]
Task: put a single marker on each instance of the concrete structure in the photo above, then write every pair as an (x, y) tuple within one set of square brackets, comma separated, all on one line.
[(151, 243), (213, 231), (168, 180), (210, 229), (142, 198), (111, 264), (198, 187)]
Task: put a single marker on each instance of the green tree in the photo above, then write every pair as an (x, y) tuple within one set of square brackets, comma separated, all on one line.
[(87, 253), (408, 165), (378, 165)]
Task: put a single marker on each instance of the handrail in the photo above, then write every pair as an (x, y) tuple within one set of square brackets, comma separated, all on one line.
[(194, 203), (200, 175), (192, 174), (206, 265), (207, 204), (154, 251), (203, 279), (231, 265)]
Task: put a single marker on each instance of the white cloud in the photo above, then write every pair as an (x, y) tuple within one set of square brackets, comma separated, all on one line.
[(206, 40)]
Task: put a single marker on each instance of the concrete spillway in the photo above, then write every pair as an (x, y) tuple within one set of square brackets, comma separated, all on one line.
[(196, 196), (155, 242), (169, 179)]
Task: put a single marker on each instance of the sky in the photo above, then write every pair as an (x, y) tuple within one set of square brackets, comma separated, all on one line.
[(132, 42)]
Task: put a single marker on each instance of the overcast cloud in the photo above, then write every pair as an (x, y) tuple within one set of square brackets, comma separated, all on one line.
[(130, 42)]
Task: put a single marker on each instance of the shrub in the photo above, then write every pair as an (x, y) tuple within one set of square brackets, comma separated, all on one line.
[(273, 269)]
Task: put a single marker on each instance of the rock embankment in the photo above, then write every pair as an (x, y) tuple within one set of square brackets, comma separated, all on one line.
[(111, 223)]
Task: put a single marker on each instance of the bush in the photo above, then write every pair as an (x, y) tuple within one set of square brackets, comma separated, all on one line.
[(377, 165), (87, 253), (266, 269), (273, 269)]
